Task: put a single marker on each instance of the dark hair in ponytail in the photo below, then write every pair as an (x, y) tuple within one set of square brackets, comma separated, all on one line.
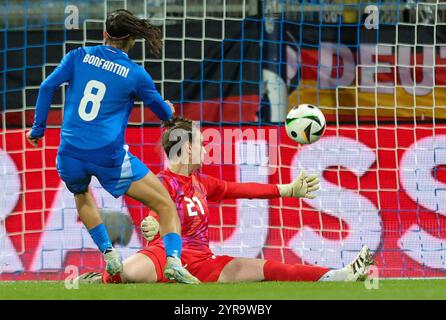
[(122, 24)]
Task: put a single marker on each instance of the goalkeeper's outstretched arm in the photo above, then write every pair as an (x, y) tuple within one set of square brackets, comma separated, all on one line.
[(302, 187)]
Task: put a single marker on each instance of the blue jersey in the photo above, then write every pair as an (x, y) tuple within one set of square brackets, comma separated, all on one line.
[(103, 84)]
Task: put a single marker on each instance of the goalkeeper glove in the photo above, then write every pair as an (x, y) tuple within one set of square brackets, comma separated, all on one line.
[(150, 228), (301, 187)]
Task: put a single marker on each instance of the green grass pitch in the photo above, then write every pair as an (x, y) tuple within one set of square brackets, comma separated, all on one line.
[(388, 289)]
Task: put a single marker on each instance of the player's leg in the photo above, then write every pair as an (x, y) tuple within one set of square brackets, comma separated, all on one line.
[(151, 192), (134, 179), (137, 268), (91, 218), (87, 209), (77, 179), (146, 266), (230, 269), (245, 269), (242, 269)]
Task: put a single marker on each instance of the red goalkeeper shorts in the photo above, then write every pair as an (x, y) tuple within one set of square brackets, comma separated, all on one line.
[(200, 263)]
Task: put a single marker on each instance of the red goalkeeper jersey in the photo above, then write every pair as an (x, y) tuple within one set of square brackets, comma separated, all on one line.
[(191, 195)]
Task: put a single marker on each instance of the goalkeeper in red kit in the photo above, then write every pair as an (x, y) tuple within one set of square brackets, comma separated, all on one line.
[(191, 192)]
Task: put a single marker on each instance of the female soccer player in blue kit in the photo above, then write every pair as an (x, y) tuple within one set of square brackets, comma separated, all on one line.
[(102, 86)]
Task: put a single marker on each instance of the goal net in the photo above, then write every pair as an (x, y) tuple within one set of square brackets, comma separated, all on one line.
[(376, 70)]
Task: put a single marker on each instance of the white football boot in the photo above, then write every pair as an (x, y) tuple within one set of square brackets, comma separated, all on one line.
[(175, 271), (357, 270), (89, 278)]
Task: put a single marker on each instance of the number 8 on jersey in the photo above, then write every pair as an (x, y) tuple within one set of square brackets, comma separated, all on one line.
[(94, 98)]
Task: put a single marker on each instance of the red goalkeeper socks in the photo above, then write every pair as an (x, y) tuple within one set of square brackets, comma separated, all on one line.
[(107, 278), (277, 271)]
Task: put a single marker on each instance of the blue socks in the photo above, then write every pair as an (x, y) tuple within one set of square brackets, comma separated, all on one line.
[(173, 243), (100, 237)]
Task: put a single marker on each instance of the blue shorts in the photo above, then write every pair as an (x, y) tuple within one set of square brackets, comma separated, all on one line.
[(116, 180)]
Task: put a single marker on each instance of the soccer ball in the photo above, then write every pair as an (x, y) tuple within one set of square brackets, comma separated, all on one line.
[(305, 124)]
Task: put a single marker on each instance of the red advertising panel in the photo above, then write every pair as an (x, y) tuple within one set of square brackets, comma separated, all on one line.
[(384, 187)]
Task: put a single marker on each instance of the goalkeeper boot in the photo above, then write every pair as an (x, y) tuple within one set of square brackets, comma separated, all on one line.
[(358, 269), (113, 261), (175, 271), (89, 278)]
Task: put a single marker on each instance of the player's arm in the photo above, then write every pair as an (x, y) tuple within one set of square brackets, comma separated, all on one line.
[(60, 75), (301, 187), (147, 92)]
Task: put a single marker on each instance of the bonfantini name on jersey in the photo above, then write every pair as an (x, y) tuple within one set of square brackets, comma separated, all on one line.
[(106, 65)]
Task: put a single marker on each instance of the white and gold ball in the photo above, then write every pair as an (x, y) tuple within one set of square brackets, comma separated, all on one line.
[(305, 124)]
